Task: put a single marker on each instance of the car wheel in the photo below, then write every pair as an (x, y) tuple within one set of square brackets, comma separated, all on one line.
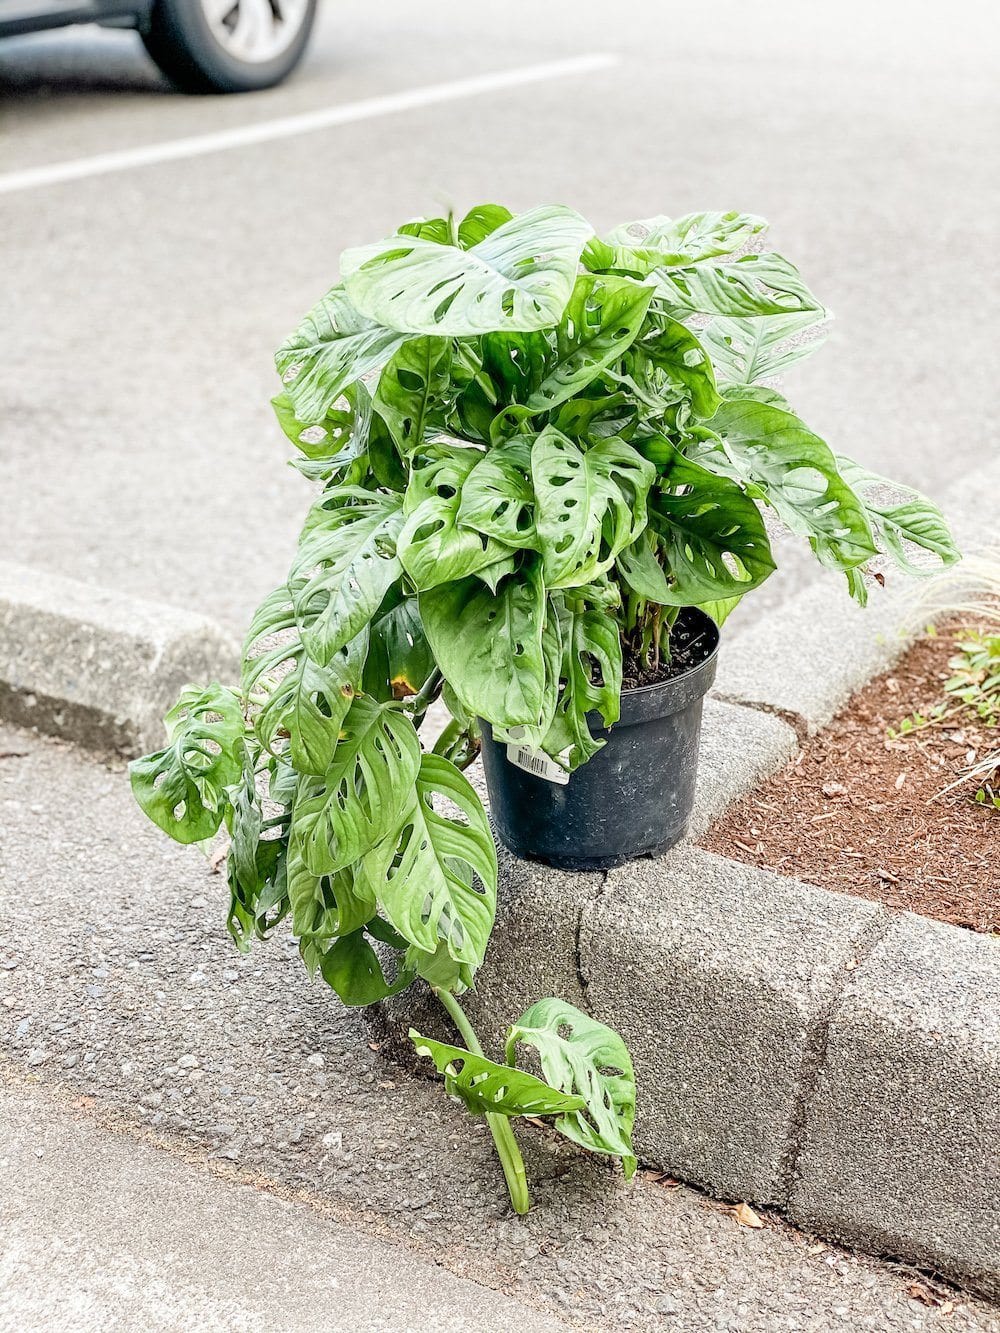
[(228, 46)]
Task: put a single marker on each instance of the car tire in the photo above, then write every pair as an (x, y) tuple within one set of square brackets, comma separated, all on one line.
[(201, 48)]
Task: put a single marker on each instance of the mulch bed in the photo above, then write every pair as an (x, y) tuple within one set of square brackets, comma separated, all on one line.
[(860, 813)]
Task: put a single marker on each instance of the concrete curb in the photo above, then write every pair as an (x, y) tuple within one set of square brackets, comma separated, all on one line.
[(95, 667)]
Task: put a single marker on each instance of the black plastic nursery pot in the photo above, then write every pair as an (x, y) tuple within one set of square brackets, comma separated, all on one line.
[(634, 797)]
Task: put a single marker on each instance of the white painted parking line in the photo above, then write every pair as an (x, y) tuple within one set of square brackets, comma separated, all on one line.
[(367, 109)]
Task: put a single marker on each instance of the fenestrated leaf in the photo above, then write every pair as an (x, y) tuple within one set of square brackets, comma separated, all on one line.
[(518, 277), (497, 498), (481, 222), (255, 866), (333, 347), (352, 968), (489, 646), (745, 351), (407, 389), (552, 666), (365, 791), (639, 247), (641, 572), (324, 905), (600, 322), (710, 532), (346, 563), (753, 285), (182, 788), (589, 504), (399, 657), (796, 470), (898, 523), (592, 671), (515, 364), (302, 700), (424, 874), (683, 362), (434, 547), (491, 1089), (588, 1059)]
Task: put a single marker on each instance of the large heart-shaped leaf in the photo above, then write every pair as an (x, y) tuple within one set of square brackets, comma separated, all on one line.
[(425, 874), (497, 498), (588, 1059), (592, 672), (182, 787), (434, 547), (489, 646), (346, 563), (518, 277), (408, 387), (754, 285), (600, 322), (491, 1089), (745, 351), (797, 472), (711, 534), (323, 905), (590, 504), (333, 347), (365, 791), (899, 523)]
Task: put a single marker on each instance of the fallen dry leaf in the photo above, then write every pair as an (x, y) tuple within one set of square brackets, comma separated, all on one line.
[(216, 860), (920, 1291), (746, 1216), (834, 789), (899, 781)]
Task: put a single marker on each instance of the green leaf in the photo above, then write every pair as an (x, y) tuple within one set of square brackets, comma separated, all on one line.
[(497, 498), (640, 247), (711, 534), (518, 277), (912, 521), (592, 670), (352, 968), (515, 364), (255, 866), (590, 504), (365, 791), (423, 874), (399, 658), (489, 646), (346, 563), (324, 906), (408, 387), (583, 1058), (721, 610), (684, 363), (491, 1089), (640, 571), (745, 351), (601, 321), (481, 222), (797, 472), (754, 285), (434, 548), (183, 788), (332, 348)]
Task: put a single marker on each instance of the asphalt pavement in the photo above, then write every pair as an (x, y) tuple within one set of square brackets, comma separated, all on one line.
[(143, 306)]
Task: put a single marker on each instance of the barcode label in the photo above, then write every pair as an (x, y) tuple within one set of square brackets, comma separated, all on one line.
[(537, 763)]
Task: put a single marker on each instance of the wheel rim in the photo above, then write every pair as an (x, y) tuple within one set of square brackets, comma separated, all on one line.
[(255, 31)]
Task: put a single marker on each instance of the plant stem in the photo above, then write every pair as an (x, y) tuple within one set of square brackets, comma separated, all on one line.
[(503, 1136)]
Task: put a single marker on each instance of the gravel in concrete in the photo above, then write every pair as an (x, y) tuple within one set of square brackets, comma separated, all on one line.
[(119, 984)]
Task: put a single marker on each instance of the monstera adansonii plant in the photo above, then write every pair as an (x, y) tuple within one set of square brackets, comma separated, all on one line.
[(532, 447)]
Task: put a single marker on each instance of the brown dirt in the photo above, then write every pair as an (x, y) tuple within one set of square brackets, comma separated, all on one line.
[(856, 812), (688, 648)]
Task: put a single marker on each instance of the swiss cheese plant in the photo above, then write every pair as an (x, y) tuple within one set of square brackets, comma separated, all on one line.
[(531, 447)]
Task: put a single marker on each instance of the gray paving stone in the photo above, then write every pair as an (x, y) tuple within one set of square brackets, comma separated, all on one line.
[(740, 747), (95, 667), (902, 1143)]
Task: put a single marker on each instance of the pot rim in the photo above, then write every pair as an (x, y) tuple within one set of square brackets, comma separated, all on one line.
[(641, 703)]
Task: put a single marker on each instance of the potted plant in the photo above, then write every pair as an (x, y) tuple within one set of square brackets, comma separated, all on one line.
[(542, 461)]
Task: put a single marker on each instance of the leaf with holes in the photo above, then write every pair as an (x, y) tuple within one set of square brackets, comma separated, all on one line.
[(683, 365), (489, 646), (415, 378), (600, 322), (365, 791), (351, 967), (183, 788), (255, 866), (434, 547), (711, 534), (592, 675), (399, 660), (497, 498), (425, 873), (590, 504), (796, 470), (332, 348), (518, 277), (328, 904), (754, 285), (346, 563), (745, 351), (640, 247), (586, 1059), (491, 1089), (899, 523)]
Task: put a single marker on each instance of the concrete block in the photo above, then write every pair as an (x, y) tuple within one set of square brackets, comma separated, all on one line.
[(96, 667), (901, 1150), (719, 976), (740, 747)]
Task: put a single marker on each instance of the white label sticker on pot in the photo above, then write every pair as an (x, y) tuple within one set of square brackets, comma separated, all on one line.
[(538, 763)]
